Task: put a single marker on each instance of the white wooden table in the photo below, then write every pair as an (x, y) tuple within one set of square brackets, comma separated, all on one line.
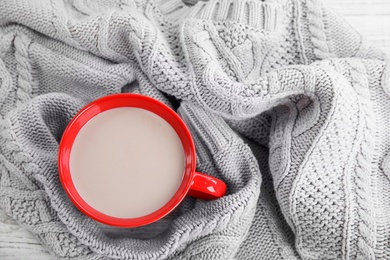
[(370, 17)]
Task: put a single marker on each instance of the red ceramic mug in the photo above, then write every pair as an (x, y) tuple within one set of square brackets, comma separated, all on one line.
[(193, 183)]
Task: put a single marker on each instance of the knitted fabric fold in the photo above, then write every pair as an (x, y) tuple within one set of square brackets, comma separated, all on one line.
[(285, 101)]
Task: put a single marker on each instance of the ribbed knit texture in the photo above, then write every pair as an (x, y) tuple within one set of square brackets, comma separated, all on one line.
[(286, 103)]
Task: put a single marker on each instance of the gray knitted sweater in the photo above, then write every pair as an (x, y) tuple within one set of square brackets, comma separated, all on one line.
[(286, 103)]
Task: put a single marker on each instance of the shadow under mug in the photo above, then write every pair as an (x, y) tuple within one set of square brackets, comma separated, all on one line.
[(194, 184)]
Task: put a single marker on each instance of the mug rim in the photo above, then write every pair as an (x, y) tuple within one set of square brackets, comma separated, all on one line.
[(116, 101)]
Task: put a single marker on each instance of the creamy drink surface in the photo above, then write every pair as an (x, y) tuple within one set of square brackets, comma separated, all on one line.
[(127, 162)]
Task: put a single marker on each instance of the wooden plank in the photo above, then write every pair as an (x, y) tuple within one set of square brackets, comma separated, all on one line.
[(360, 7), (17, 243), (375, 29), (369, 17)]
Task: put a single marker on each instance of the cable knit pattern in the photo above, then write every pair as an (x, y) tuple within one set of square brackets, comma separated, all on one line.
[(23, 67), (316, 28), (285, 101)]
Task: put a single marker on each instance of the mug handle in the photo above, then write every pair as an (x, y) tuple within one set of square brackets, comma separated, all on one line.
[(206, 187)]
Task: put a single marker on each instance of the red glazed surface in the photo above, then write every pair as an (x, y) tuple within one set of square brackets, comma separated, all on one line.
[(194, 184)]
